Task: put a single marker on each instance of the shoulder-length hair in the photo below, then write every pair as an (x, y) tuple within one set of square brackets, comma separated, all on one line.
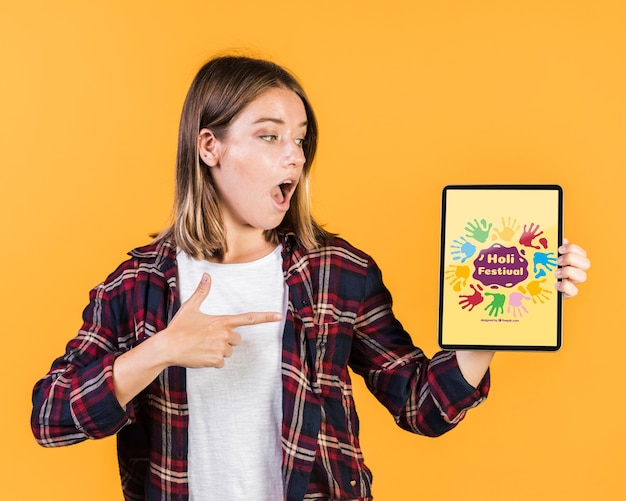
[(222, 88)]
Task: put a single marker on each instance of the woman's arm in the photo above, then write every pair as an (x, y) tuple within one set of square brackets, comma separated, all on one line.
[(75, 400), (429, 396), (474, 365), (86, 391)]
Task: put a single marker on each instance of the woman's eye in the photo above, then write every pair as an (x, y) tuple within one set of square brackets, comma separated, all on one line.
[(299, 141), (269, 137)]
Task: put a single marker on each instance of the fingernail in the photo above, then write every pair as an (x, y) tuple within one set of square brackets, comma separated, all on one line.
[(558, 274), (562, 249), (205, 278)]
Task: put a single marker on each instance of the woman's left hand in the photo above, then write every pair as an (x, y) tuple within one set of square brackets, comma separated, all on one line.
[(574, 263)]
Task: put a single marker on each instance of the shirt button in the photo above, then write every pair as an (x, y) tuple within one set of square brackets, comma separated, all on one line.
[(304, 302), (352, 483)]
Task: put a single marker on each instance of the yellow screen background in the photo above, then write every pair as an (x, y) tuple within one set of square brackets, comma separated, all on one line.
[(482, 326), (410, 96)]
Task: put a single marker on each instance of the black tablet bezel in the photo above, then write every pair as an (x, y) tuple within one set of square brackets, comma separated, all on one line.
[(442, 283)]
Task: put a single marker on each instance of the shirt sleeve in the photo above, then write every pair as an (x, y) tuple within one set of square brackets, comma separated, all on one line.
[(425, 396), (76, 399)]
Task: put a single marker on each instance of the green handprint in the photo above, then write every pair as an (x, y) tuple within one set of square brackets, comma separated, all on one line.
[(478, 232), (496, 305)]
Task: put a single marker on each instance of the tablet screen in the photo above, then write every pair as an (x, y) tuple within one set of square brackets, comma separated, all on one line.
[(499, 246)]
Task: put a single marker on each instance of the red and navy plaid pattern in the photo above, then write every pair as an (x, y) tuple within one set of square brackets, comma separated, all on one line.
[(339, 316)]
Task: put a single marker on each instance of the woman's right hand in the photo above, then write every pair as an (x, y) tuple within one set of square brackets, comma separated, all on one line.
[(192, 339)]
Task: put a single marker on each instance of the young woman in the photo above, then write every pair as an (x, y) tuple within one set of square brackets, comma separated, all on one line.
[(219, 353)]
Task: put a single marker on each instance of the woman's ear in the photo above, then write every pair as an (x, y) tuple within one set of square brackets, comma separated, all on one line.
[(208, 147)]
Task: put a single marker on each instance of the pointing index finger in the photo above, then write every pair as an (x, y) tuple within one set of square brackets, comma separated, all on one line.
[(252, 318)]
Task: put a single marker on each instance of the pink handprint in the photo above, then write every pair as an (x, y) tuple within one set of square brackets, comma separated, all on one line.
[(515, 302), (529, 235), (473, 299)]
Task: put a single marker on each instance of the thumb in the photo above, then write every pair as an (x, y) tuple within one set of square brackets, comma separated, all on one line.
[(201, 292)]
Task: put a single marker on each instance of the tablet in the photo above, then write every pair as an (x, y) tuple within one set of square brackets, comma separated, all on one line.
[(499, 250)]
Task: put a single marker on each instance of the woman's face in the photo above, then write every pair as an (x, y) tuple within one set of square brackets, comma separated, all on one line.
[(258, 165)]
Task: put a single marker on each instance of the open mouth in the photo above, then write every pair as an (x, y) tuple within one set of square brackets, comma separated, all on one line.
[(282, 192)]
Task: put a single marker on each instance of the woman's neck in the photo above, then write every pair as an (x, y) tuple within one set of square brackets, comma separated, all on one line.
[(244, 247)]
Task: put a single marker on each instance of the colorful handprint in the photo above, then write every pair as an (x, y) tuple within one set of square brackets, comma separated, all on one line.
[(497, 303), (472, 300), (463, 250), (529, 235), (515, 303), (507, 232), (543, 262), (457, 275), (478, 231), (537, 293)]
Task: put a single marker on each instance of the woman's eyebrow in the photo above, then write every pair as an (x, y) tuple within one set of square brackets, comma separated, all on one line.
[(278, 121)]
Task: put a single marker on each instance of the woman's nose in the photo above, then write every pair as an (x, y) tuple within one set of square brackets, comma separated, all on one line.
[(295, 155)]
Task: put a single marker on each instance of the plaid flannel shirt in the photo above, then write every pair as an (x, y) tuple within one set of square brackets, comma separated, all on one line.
[(339, 316)]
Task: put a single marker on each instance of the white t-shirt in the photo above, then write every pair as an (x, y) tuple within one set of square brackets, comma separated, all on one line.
[(235, 412)]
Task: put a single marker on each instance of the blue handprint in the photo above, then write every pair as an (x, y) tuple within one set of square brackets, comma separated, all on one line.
[(478, 232), (464, 251), (546, 261)]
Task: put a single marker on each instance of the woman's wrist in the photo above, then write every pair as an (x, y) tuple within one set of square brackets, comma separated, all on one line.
[(474, 364)]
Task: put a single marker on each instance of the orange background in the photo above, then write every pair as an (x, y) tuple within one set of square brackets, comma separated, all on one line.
[(411, 96)]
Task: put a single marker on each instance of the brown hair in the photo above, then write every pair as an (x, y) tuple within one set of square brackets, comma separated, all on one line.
[(222, 88)]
